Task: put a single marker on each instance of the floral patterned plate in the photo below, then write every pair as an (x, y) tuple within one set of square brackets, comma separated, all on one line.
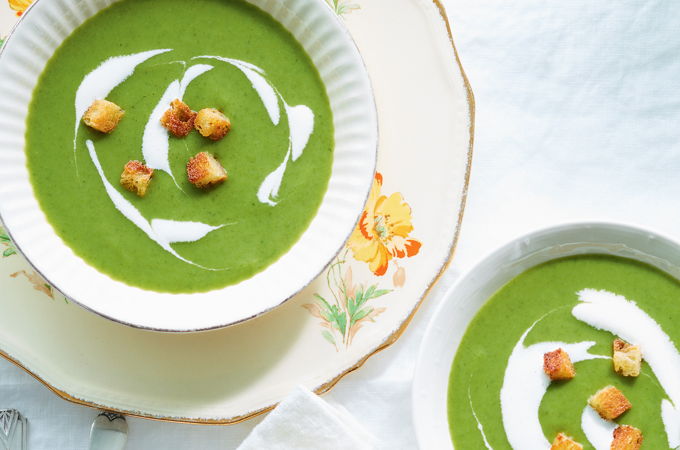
[(360, 305)]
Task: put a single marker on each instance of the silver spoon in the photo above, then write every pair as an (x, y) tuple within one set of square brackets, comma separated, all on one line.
[(13, 427), (109, 432)]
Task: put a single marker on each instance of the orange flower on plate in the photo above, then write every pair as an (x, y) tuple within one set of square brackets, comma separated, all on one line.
[(383, 230), (19, 5)]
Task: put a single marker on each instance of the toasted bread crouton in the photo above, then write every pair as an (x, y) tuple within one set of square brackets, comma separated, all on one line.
[(212, 124), (557, 365), (103, 115), (609, 403), (564, 442), (179, 119), (627, 358), (203, 170), (136, 177), (626, 438)]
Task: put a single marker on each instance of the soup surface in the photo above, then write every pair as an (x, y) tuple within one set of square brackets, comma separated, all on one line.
[(141, 54), (499, 396)]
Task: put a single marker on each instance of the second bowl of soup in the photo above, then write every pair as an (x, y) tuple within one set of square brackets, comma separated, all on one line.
[(566, 335)]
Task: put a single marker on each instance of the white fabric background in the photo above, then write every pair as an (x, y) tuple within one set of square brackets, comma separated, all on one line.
[(578, 114)]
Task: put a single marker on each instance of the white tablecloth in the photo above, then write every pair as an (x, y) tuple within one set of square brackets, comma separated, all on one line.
[(578, 114)]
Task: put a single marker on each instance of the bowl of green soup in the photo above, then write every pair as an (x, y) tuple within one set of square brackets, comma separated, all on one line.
[(183, 166), (589, 292)]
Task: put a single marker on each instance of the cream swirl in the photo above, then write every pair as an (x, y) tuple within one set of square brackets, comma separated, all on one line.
[(525, 384), (155, 142)]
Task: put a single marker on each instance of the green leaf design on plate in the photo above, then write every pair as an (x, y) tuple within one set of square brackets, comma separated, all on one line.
[(357, 316), (328, 336), (7, 242), (342, 7), (343, 315)]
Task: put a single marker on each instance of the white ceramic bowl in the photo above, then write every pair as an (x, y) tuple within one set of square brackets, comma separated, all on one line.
[(44, 26), (463, 300)]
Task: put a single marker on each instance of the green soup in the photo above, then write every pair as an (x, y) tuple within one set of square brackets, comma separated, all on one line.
[(546, 295), (253, 233)]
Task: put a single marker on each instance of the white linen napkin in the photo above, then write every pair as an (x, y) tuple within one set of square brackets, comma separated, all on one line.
[(304, 421)]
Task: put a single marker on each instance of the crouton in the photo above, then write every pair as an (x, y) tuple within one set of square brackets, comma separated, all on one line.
[(626, 438), (212, 124), (103, 115), (564, 442), (179, 119), (203, 170), (136, 177), (627, 358), (609, 403), (557, 365)]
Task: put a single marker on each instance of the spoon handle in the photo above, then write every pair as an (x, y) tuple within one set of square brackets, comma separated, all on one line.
[(109, 432), (13, 427)]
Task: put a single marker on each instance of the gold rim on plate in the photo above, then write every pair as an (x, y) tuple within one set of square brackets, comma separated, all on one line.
[(385, 344)]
